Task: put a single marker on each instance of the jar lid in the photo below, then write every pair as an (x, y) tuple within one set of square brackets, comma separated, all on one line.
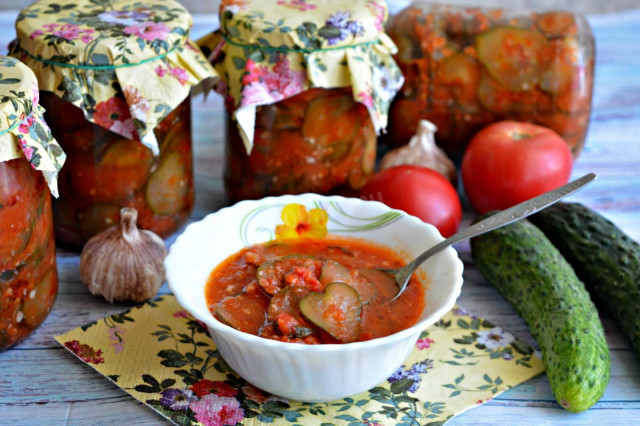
[(125, 63), (269, 50), (23, 131)]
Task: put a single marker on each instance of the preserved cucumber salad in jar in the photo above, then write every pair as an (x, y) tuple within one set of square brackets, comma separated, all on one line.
[(116, 78), (468, 67), (29, 163), (307, 88)]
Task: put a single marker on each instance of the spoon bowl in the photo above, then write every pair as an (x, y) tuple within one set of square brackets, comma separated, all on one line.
[(497, 220)]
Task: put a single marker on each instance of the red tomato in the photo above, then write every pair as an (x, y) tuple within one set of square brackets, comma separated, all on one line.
[(420, 192), (509, 162)]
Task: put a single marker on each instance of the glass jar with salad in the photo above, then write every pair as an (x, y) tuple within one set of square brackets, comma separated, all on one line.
[(29, 160), (116, 80), (468, 67), (307, 87)]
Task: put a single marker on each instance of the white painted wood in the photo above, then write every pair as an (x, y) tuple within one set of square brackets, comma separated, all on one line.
[(41, 383)]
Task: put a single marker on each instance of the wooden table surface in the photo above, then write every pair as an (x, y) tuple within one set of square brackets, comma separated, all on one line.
[(42, 383)]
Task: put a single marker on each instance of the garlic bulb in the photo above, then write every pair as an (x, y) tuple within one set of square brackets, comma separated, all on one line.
[(422, 151), (123, 263)]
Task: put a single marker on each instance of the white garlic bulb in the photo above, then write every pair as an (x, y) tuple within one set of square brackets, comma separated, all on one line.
[(123, 263), (422, 151)]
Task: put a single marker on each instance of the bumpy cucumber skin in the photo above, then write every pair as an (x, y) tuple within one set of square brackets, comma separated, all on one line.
[(530, 273), (606, 259)]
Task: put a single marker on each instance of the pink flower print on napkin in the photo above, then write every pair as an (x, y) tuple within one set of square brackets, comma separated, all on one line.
[(180, 74), (424, 343), (114, 115), (265, 86), (26, 124), (116, 335), (138, 105), (66, 31), (85, 352), (297, 4), (378, 11), (214, 410), (366, 98), (205, 387), (148, 30), (27, 150), (160, 71)]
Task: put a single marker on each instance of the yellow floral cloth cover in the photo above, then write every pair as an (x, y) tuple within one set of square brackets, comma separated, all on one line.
[(125, 63), (269, 50), (165, 358), (23, 131)]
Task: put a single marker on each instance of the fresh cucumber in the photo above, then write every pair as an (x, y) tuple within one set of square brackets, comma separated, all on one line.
[(606, 259), (530, 273)]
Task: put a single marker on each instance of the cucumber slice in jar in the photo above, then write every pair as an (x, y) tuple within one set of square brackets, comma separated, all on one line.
[(337, 311), (462, 73), (36, 302), (97, 218), (331, 119), (513, 56), (168, 187), (492, 96), (127, 153), (555, 22)]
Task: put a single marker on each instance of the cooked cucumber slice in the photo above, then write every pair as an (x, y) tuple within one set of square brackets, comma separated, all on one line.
[(244, 312), (287, 301), (514, 56), (375, 286), (337, 311), (333, 271), (168, 186)]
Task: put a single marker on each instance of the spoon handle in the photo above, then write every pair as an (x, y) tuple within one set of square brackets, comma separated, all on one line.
[(505, 217)]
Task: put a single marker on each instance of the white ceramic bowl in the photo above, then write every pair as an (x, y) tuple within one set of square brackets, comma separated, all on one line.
[(310, 373)]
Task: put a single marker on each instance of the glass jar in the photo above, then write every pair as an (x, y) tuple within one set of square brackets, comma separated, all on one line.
[(116, 85), (106, 171), (319, 141), (28, 274), (466, 68), (306, 94)]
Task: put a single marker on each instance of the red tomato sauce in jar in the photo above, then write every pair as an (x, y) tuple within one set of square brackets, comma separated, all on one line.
[(313, 291), (105, 172), (28, 275), (320, 140)]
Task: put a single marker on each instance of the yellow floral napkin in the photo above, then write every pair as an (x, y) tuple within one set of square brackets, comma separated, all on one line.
[(165, 358)]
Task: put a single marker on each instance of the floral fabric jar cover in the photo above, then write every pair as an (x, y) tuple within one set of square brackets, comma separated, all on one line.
[(126, 64), (23, 132), (268, 51), (29, 161)]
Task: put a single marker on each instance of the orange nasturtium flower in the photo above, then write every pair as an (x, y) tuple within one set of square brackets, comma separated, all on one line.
[(300, 223)]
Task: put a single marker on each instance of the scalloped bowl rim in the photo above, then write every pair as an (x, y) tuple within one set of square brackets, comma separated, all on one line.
[(210, 321)]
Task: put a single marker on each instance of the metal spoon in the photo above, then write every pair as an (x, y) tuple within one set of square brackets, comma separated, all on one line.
[(497, 220)]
